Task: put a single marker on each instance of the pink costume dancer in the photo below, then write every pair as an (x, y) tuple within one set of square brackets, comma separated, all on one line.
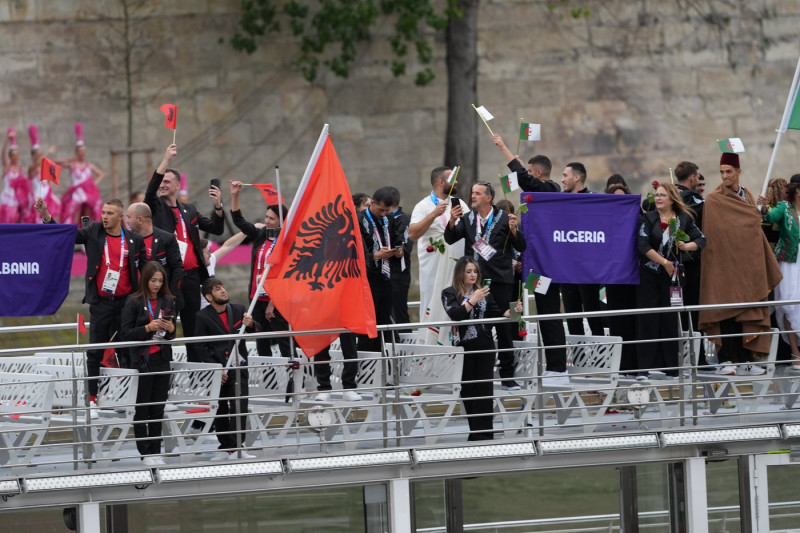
[(15, 198), (83, 197), (41, 189)]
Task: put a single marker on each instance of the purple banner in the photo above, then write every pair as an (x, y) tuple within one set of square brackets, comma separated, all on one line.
[(581, 238), (35, 261)]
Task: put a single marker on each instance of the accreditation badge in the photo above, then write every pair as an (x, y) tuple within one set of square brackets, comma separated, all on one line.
[(110, 281), (484, 249)]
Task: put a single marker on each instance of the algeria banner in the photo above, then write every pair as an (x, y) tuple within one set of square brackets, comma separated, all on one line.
[(581, 238)]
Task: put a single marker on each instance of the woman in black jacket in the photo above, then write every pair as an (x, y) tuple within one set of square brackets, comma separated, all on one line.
[(468, 299), (149, 314), (662, 245)]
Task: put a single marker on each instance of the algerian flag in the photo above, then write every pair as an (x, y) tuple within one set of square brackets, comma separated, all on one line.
[(453, 175), (510, 183), (794, 118), (483, 112), (733, 146), (530, 132), (603, 295), (537, 283)]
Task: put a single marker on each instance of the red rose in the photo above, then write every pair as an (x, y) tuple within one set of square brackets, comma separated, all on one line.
[(430, 249), (654, 184), (528, 198), (664, 226), (416, 393), (523, 333)]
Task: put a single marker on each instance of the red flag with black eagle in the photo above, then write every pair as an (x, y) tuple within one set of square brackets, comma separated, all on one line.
[(50, 171), (269, 193), (318, 278), (171, 113)]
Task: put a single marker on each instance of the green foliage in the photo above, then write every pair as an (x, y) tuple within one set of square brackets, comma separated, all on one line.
[(575, 11), (343, 24)]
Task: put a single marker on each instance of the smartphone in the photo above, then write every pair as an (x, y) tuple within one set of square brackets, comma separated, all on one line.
[(84, 222), (454, 202), (167, 317), (487, 282), (215, 183)]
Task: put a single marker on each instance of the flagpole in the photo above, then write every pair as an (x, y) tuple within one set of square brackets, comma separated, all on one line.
[(278, 187), (483, 119), (174, 132), (519, 137), (784, 123), (671, 176)]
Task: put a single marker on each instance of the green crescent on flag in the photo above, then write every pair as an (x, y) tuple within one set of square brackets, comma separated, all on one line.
[(530, 132), (731, 146), (510, 182)]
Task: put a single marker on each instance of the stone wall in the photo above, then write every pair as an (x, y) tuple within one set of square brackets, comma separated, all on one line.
[(634, 89)]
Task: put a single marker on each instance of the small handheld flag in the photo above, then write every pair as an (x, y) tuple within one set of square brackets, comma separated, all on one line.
[(81, 325), (509, 182), (50, 171), (537, 283), (171, 113), (530, 132), (271, 196), (452, 179), (731, 146), (485, 116)]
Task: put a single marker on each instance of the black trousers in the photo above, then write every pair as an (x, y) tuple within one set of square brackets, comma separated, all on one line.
[(552, 330), (400, 286), (622, 297), (231, 408), (654, 292), (322, 370), (277, 323), (477, 388), (733, 349), (105, 317), (382, 300), (191, 305), (582, 298), (153, 388), (503, 293)]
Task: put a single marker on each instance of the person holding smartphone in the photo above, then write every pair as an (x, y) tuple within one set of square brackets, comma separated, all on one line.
[(186, 223), (149, 314)]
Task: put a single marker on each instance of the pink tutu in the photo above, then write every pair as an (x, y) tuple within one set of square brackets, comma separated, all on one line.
[(83, 193), (15, 198)]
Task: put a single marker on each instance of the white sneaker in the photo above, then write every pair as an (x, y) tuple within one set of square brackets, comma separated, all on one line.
[(234, 456), (322, 397), (726, 369), (351, 396), (751, 370), (221, 456), (93, 414), (153, 460), (551, 377), (170, 407)]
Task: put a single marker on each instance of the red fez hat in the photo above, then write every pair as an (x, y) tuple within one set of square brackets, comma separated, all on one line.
[(729, 159)]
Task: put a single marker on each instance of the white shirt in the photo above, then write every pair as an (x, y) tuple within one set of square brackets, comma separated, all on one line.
[(429, 262)]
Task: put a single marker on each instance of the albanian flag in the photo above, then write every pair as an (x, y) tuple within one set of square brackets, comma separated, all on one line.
[(269, 193), (171, 112), (50, 171), (318, 278)]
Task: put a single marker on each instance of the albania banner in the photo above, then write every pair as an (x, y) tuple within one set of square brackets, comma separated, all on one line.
[(581, 238), (318, 278), (35, 261)]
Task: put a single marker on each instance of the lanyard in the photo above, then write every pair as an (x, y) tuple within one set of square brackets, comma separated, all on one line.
[(375, 228), (488, 225), (150, 309), (121, 249), (182, 224), (261, 260)]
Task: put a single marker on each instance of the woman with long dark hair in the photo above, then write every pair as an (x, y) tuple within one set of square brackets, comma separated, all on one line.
[(469, 299), (662, 243), (149, 314)]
